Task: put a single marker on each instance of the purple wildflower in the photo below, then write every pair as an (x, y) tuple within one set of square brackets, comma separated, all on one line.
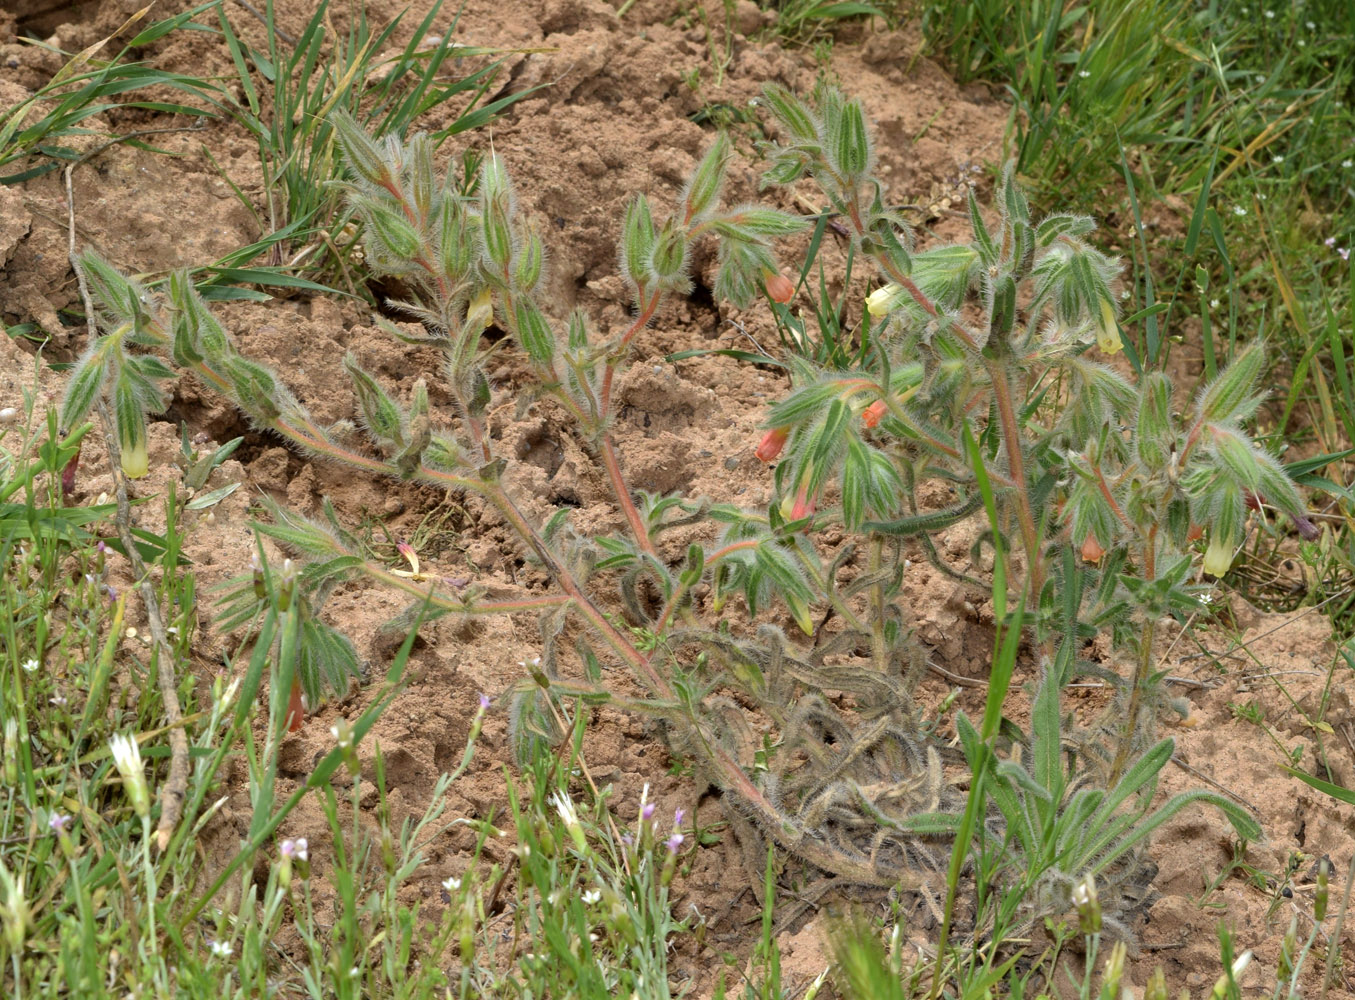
[(674, 842)]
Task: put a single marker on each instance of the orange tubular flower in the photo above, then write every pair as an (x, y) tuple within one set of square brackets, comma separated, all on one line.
[(779, 287), (874, 413), (1091, 549), (771, 444)]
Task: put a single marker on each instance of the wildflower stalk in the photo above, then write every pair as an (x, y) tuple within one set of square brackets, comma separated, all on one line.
[(1012, 440)]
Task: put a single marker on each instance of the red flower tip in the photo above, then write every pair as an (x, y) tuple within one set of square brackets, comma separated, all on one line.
[(771, 444), (779, 288), (874, 413)]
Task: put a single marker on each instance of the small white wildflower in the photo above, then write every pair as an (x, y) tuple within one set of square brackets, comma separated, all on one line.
[(1084, 73), (451, 884), (30, 665), (1312, 26), (1277, 158), (57, 701), (342, 733), (1213, 303), (297, 850), (1270, 15), (1347, 164), (222, 949), (1239, 210), (127, 759), (564, 805), (591, 896)]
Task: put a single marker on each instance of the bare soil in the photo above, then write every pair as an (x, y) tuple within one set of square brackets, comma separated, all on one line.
[(615, 117)]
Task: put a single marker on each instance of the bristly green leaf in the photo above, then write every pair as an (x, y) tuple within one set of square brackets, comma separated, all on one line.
[(299, 533), (791, 112), (379, 412), (1229, 396), (984, 240), (82, 388), (703, 190), (637, 241), (363, 156)]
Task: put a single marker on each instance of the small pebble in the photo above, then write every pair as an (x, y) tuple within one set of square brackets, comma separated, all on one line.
[(731, 463)]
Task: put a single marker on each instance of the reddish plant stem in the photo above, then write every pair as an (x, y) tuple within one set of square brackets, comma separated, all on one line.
[(1110, 499), (1011, 430), (607, 446)]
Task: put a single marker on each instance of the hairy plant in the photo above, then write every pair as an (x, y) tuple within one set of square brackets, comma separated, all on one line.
[(1097, 478)]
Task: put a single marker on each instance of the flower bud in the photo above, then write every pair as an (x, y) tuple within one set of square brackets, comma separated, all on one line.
[(570, 817), (287, 586), (256, 568), (771, 444), (1240, 965), (852, 150), (1091, 549), (15, 914), (1157, 986), (669, 257), (874, 413), (1088, 906), (10, 770), (1320, 897), (393, 232)]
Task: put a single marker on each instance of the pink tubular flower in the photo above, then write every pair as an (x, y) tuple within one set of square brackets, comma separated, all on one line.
[(772, 443)]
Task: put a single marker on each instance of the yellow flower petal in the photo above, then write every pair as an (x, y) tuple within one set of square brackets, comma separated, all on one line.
[(1108, 331)]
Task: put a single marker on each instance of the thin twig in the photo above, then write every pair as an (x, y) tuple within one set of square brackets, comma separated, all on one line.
[(1222, 788), (175, 788), (289, 39)]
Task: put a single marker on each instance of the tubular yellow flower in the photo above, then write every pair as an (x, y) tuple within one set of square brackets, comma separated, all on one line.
[(881, 301), (1219, 556), (1107, 330), (135, 462), (481, 311)]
